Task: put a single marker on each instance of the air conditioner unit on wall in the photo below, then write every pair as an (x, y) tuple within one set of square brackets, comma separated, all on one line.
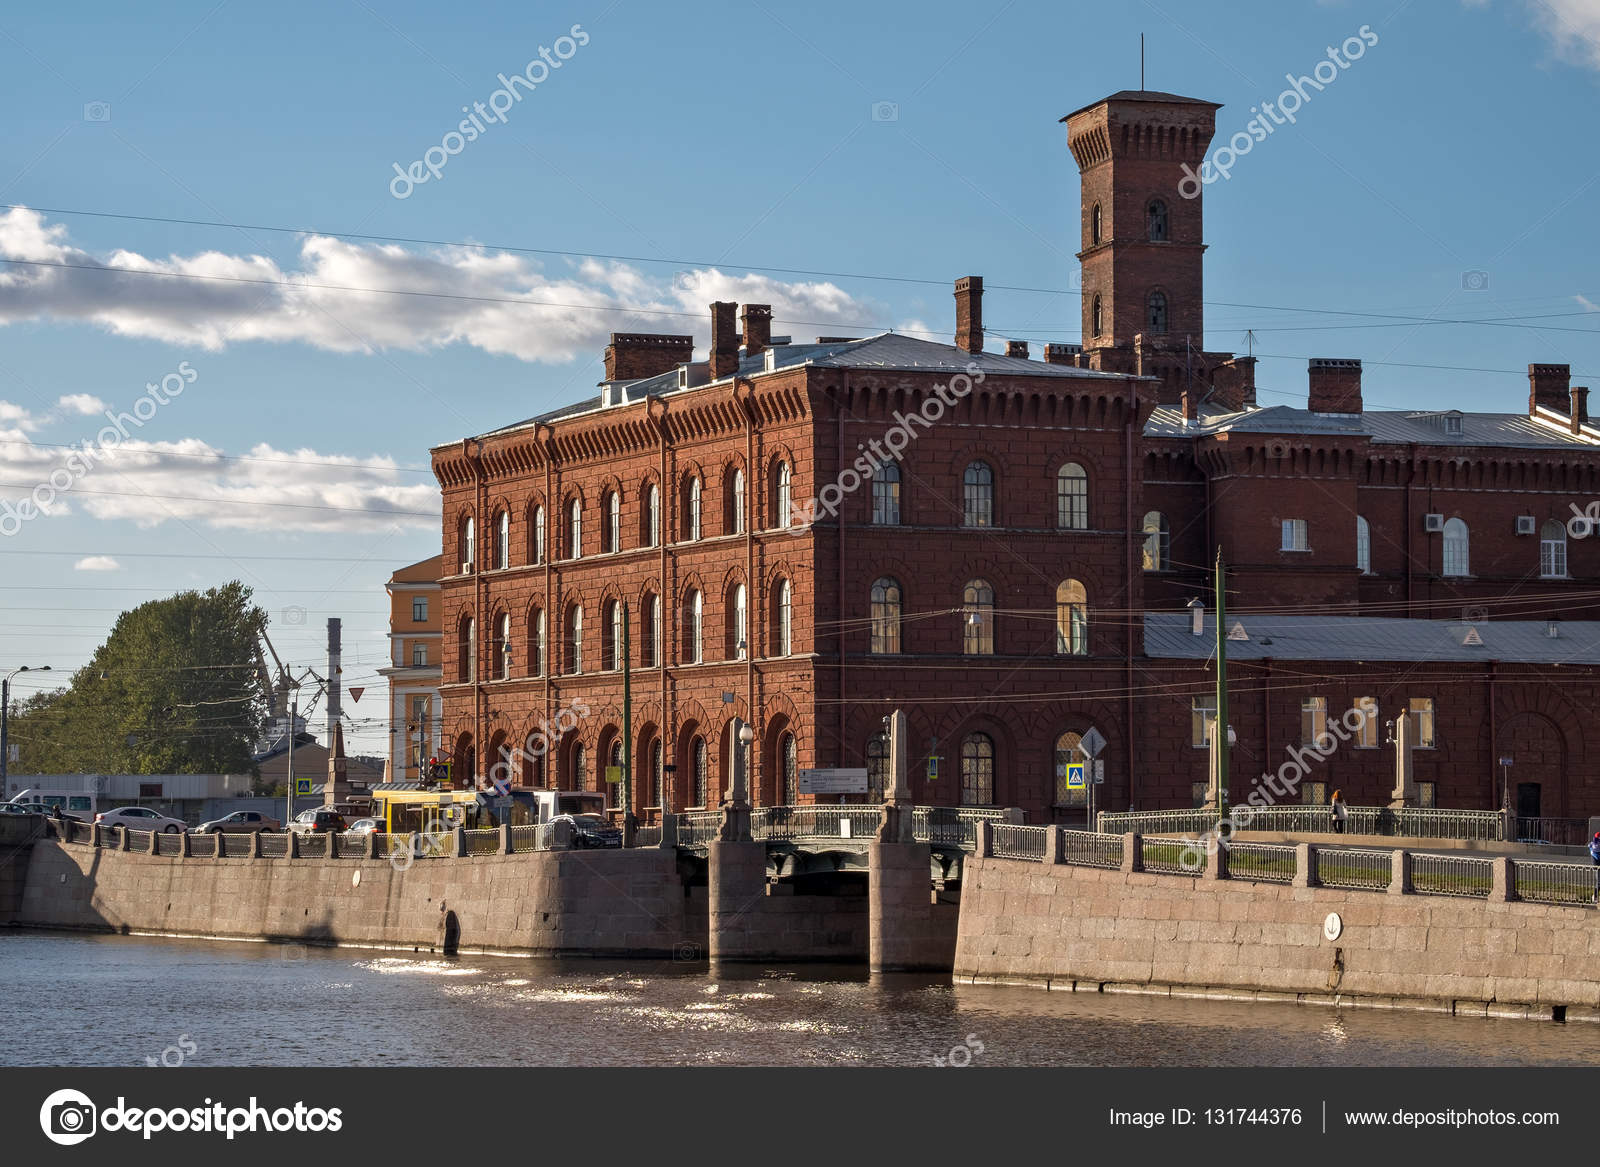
[(1433, 522), (1526, 525)]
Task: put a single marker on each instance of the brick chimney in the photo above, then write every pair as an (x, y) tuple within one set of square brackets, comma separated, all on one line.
[(755, 331), (1191, 405), (1579, 414), (1062, 354), (1017, 348), (1549, 386), (632, 355), (969, 313), (1335, 385), (1234, 384), (724, 340)]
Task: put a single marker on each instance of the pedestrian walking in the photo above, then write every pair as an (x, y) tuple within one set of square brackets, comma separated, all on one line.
[(1340, 812), (1594, 854)]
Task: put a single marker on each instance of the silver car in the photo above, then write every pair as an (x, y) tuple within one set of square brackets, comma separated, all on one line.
[(240, 822), (141, 818)]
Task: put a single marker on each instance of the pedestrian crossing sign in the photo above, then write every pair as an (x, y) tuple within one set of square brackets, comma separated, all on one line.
[(1075, 779), (302, 786)]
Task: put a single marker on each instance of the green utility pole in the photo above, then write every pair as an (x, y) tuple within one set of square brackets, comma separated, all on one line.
[(1220, 728), (627, 732)]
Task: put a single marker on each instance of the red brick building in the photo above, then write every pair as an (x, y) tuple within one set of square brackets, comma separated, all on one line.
[(804, 536)]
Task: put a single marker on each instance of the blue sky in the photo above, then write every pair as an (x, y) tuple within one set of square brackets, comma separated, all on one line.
[(712, 146)]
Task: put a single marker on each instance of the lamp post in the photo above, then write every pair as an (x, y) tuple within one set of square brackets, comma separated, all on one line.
[(5, 715)]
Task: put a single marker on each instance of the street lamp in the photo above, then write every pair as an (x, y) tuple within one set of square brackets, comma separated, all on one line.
[(5, 712)]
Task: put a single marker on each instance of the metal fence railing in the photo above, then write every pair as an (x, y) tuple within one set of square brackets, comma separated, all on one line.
[(1172, 857), (233, 846), (698, 827), (647, 837), (203, 846), (1555, 831), (1157, 822), (1090, 849), (80, 832), (785, 824), (137, 840), (1414, 822), (950, 826), (349, 846), (313, 845), (1261, 862), (1354, 867), (274, 845), (1451, 875), (1017, 842), (1556, 883), (526, 838), (482, 842)]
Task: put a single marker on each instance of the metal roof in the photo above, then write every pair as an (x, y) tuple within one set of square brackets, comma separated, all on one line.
[(1375, 638), (1419, 427)]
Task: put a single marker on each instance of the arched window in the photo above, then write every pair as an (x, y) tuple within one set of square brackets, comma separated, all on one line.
[(977, 770), (977, 600), (886, 495), (536, 536), (1072, 619), (536, 643), (736, 503), (502, 646), (1553, 549), (575, 529), (1067, 752), (1157, 215), (1096, 319), (977, 496), (1157, 542), (651, 614), (575, 639), (691, 509), (467, 540), (700, 765), (1363, 546), (467, 649), (502, 540), (613, 521), (614, 758), (533, 752), (782, 486), (789, 758), (658, 773), (885, 615), (650, 518), (738, 625), (611, 651), (782, 619), (693, 611), (1156, 316), (877, 766), (1094, 224), (1072, 498), (580, 767), (1457, 558)]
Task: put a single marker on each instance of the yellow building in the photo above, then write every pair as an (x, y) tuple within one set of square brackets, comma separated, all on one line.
[(414, 670)]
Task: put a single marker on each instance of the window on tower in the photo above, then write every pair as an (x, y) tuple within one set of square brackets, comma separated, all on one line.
[(1158, 221), (1094, 224), (1157, 315), (1095, 319)]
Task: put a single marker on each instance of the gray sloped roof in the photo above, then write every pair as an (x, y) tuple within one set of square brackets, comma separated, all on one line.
[(1510, 430), (1375, 638)]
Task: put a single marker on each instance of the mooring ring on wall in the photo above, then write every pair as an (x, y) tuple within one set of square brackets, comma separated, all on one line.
[(1333, 926)]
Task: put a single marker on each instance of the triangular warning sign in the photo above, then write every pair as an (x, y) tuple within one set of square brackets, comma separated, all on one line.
[(355, 692), (1472, 637), (1237, 632)]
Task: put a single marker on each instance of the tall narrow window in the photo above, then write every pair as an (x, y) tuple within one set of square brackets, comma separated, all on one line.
[(502, 646), (700, 761), (782, 487), (575, 639), (657, 773), (977, 496), (1313, 719), (886, 495), (977, 600), (782, 619), (502, 540), (1066, 754), (536, 536), (1072, 619), (885, 615), (650, 616), (468, 540), (691, 508), (1157, 542), (613, 521), (536, 643), (467, 650), (1072, 498), (1363, 546), (1421, 712), (738, 643), (614, 632), (1095, 224), (1294, 535), (693, 611), (575, 529), (1553, 550), (580, 767), (1158, 221), (877, 766), (977, 770), (789, 755), (1096, 318), (736, 503), (1367, 736), (652, 516), (1457, 559), (1202, 713), (419, 609), (419, 656), (1156, 316)]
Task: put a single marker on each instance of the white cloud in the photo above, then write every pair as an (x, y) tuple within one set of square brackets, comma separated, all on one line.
[(83, 404), (289, 307), (1571, 26), (97, 563), (1588, 304)]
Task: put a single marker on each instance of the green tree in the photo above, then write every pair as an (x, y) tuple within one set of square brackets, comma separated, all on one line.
[(173, 690)]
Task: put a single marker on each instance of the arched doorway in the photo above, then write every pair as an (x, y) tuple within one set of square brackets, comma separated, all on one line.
[(1534, 784)]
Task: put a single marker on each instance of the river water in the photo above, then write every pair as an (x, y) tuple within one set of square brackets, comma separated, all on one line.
[(74, 999)]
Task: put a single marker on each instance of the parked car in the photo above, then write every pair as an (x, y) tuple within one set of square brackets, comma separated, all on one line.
[(591, 830), (318, 818), (366, 827), (141, 818), (240, 822), (38, 808)]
